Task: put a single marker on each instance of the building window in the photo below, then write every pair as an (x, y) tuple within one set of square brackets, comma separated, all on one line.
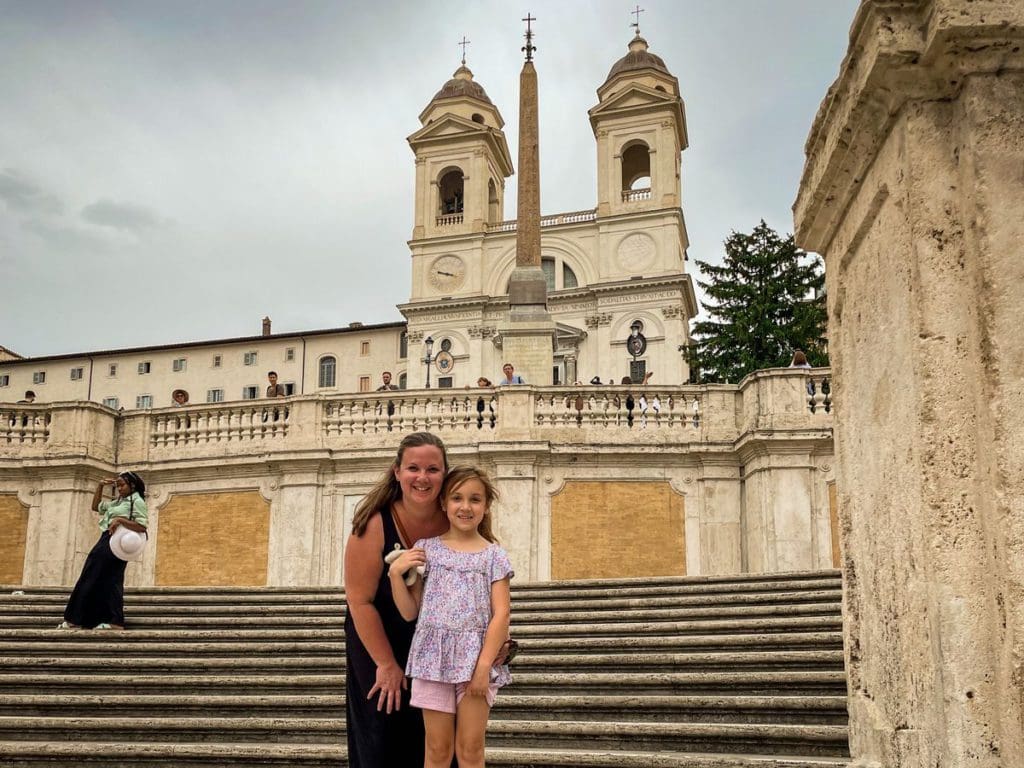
[(216, 364), (112, 402), (364, 383), (250, 393), (364, 348), (178, 365), (145, 367), (76, 374), (144, 401), (289, 354), (112, 370), (250, 358), (39, 377), (403, 345), (328, 370), (289, 388), (215, 395), (444, 382), (403, 380), (5, 380), (568, 277)]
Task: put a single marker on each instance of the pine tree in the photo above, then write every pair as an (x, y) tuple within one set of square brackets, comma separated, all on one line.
[(764, 301)]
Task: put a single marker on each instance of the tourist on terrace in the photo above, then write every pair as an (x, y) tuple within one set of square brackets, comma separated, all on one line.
[(483, 381), (97, 601), (30, 397), (386, 386), (510, 376), (404, 506), (799, 360), (179, 398), (274, 389)]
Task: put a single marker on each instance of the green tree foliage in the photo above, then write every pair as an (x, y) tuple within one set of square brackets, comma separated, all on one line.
[(764, 301)]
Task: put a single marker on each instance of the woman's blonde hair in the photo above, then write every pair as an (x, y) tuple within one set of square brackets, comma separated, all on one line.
[(461, 475), (387, 491)]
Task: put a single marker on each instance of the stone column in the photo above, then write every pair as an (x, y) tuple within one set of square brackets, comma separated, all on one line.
[(529, 338), (913, 190), (293, 517)]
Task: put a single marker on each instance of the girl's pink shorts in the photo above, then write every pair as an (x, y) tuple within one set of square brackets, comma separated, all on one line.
[(443, 697)]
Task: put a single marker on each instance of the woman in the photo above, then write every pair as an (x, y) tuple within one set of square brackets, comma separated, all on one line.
[(404, 505), (97, 600)]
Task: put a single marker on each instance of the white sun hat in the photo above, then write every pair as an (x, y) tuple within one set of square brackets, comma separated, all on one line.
[(127, 544)]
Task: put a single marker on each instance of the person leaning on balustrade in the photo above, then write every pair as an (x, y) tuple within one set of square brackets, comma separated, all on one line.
[(404, 506), (97, 601)]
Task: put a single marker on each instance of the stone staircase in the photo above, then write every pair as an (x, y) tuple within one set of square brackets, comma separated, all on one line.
[(714, 672)]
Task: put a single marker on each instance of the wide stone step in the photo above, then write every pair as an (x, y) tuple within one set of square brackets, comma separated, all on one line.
[(821, 710), (27, 642), (783, 683), (580, 601), (116, 754), (694, 737), (773, 738), (199, 705), (569, 663)]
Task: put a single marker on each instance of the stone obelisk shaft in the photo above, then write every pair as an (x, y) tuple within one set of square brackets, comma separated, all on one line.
[(528, 338), (528, 224)]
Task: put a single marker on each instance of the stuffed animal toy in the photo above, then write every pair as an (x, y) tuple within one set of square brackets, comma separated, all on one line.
[(412, 574)]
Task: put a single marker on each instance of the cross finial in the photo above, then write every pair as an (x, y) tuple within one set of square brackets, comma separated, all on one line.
[(529, 47), (636, 24), (463, 42)]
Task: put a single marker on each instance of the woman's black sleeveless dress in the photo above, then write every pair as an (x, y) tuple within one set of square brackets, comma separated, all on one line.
[(377, 739)]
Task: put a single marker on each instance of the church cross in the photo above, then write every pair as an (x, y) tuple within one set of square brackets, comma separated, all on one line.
[(636, 13), (463, 42), (529, 47)]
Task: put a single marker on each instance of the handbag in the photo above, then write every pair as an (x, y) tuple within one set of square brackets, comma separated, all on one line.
[(506, 653)]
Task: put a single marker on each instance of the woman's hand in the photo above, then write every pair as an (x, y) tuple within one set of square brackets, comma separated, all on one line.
[(410, 558), (480, 682), (390, 683)]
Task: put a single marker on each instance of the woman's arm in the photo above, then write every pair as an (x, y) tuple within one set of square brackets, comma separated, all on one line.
[(131, 525), (407, 599), (363, 568), (497, 632), (97, 495)]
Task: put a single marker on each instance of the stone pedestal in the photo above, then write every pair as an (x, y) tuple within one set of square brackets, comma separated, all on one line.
[(914, 193), (529, 345)]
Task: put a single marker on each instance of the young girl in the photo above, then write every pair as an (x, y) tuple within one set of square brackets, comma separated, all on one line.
[(463, 621)]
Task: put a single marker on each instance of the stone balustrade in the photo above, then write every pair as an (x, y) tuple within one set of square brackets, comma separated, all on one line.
[(449, 220), (777, 399), (630, 195), (573, 217)]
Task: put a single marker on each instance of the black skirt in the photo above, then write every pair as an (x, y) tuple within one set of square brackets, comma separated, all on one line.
[(98, 597)]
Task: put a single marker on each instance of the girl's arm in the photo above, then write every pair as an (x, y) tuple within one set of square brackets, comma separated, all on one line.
[(407, 599), (497, 632), (363, 567), (97, 495), (131, 525)]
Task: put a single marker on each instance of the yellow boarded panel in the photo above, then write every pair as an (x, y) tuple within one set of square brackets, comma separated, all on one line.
[(833, 516), (605, 530), (213, 539), (14, 525)]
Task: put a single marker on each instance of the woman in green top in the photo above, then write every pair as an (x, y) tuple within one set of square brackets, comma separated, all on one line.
[(97, 600)]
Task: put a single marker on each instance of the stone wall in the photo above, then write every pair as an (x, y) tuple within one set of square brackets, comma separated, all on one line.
[(914, 193), (735, 476)]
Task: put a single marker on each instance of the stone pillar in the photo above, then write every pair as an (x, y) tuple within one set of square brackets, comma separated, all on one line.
[(720, 526), (529, 338), (293, 517), (913, 191)]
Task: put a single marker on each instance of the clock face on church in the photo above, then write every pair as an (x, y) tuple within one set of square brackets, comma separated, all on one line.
[(447, 273)]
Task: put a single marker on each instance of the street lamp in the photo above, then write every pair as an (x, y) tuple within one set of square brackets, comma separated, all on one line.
[(428, 346), (636, 344)]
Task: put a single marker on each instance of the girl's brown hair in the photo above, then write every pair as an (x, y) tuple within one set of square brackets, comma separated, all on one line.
[(459, 476), (387, 491)]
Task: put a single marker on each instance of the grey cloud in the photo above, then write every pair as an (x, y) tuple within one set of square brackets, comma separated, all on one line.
[(122, 216), (69, 239), (21, 194)]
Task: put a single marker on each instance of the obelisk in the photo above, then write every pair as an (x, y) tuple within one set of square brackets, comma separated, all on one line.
[(528, 338)]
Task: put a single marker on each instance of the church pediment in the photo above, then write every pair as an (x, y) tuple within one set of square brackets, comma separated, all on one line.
[(449, 125), (633, 96)]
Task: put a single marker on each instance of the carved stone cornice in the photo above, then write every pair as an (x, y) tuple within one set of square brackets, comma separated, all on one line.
[(899, 52)]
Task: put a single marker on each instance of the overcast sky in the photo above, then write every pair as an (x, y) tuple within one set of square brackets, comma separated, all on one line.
[(174, 171)]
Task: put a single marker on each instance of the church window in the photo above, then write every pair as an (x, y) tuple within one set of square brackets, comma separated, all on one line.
[(328, 371), (494, 212), (450, 191), (403, 345), (446, 345), (636, 167), (568, 277), (478, 118), (548, 267)]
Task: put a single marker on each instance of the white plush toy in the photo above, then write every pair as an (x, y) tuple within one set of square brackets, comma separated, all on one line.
[(412, 574)]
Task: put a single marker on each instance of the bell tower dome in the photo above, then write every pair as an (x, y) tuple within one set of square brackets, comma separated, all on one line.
[(462, 160), (640, 126)]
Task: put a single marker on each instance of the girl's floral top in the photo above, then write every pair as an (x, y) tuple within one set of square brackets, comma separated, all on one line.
[(455, 612)]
